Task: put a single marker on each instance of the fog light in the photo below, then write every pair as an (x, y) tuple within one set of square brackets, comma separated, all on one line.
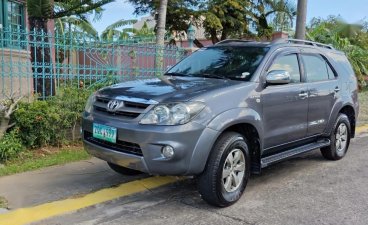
[(167, 151)]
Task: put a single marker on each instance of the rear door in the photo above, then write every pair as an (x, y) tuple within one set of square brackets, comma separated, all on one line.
[(285, 107), (323, 88)]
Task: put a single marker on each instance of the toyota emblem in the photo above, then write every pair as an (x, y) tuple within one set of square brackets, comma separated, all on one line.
[(113, 105)]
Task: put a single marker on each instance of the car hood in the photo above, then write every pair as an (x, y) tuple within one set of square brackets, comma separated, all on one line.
[(167, 88)]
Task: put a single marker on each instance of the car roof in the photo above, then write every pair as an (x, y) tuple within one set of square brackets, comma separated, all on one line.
[(241, 43), (282, 42)]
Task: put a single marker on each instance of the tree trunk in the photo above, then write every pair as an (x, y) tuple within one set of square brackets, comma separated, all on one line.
[(160, 38), (198, 43), (214, 38), (301, 19), (223, 35), (41, 58)]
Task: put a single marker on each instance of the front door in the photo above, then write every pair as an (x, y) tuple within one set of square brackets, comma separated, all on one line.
[(285, 107)]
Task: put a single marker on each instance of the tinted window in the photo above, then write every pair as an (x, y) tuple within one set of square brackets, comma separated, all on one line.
[(315, 68), (290, 64), (238, 63)]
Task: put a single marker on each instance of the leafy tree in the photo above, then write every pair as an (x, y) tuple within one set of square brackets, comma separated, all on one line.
[(349, 38), (223, 19), (39, 12)]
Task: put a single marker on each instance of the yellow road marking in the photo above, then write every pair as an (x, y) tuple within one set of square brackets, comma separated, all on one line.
[(47, 210), (362, 129)]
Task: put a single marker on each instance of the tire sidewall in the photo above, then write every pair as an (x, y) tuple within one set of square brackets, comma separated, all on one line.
[(341, 119), (231, 197)]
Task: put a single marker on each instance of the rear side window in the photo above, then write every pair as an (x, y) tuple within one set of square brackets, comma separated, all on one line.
[(289, 63), (316, 68)]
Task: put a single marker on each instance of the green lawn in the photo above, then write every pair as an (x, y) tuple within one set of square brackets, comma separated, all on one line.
[(363, 112), (32, 160), (3, 203)]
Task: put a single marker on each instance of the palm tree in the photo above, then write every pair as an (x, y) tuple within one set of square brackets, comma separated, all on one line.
[(261, 10), (112, 32), (283, 16), (301, 19), (39, 12)]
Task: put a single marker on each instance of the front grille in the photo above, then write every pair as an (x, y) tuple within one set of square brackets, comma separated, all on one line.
[(129, 110), (119, 146), (118, 113)]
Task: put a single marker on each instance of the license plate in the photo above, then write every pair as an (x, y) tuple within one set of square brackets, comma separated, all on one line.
[(104, 132)]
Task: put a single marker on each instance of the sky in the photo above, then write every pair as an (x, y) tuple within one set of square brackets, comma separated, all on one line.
[(351, 11)]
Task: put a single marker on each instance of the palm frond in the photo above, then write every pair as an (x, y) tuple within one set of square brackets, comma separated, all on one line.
[(39, 9)]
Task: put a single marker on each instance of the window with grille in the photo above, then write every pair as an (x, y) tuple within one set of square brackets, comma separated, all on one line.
[(12, 23)]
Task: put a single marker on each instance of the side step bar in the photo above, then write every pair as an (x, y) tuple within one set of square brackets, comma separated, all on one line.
[(293, 152)]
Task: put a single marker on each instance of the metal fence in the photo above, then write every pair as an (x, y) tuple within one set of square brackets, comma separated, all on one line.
[(39, 63)]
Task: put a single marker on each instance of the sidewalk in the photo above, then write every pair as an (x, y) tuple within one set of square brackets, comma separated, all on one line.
[(58, 182)]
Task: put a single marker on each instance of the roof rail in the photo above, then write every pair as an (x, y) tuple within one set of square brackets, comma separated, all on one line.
[(232, 40), (299, 41)]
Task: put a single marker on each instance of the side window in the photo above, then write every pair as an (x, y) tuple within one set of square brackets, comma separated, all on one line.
[(316, 68), (290, 64)]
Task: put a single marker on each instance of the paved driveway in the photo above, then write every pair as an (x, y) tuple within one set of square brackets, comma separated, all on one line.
[(305, 190)]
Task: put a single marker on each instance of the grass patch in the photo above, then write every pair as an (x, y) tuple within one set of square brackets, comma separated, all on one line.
[(3, 203), (363, 112), (36, 159)]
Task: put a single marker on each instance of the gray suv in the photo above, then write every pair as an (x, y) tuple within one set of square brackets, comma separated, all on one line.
[(227, 111)]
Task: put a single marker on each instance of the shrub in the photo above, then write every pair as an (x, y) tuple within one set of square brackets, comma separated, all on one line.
[(49, 122), (38, 123), (72, 101), (10, 145)]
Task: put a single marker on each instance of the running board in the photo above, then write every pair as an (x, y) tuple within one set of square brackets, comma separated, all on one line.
[(293, 152)]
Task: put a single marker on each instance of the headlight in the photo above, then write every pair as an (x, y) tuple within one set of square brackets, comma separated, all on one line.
[(89, 104), (172, 114)]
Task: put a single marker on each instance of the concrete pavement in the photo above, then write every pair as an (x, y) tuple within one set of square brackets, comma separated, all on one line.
[(59, 182), (304, 190)]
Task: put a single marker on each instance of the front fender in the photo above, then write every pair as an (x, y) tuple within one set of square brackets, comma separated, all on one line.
[(214, 129), (235, 116)]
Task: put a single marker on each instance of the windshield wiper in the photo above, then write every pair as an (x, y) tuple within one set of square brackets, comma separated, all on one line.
[(214, 76), (177, 74)]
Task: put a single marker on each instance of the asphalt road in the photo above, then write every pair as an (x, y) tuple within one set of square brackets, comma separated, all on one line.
[(304, 190)]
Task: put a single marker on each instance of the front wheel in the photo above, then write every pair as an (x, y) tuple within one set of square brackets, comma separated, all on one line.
[(227, 171), (340, 139)]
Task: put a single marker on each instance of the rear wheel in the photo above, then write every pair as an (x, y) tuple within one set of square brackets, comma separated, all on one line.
[(123, 170), (340, 139), (227, 171)]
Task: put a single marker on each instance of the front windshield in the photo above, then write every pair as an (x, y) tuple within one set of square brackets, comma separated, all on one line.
[(224, 62)]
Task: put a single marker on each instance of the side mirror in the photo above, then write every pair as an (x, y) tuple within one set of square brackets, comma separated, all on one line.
[(278, 77)]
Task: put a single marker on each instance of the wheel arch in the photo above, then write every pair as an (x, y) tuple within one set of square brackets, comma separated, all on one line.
[(245, 121), (349, 111), (345, 108)]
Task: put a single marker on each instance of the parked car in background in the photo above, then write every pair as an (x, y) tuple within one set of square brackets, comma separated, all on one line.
[(227, 111)]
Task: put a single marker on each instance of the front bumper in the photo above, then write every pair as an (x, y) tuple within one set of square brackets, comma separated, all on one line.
[(192, 143)]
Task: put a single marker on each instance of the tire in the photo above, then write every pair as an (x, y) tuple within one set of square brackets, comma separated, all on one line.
[(213, 187), (123, 170), (340, 139)]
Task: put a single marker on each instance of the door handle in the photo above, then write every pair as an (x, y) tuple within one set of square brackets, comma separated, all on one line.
[(337, 89), (303, 95)]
